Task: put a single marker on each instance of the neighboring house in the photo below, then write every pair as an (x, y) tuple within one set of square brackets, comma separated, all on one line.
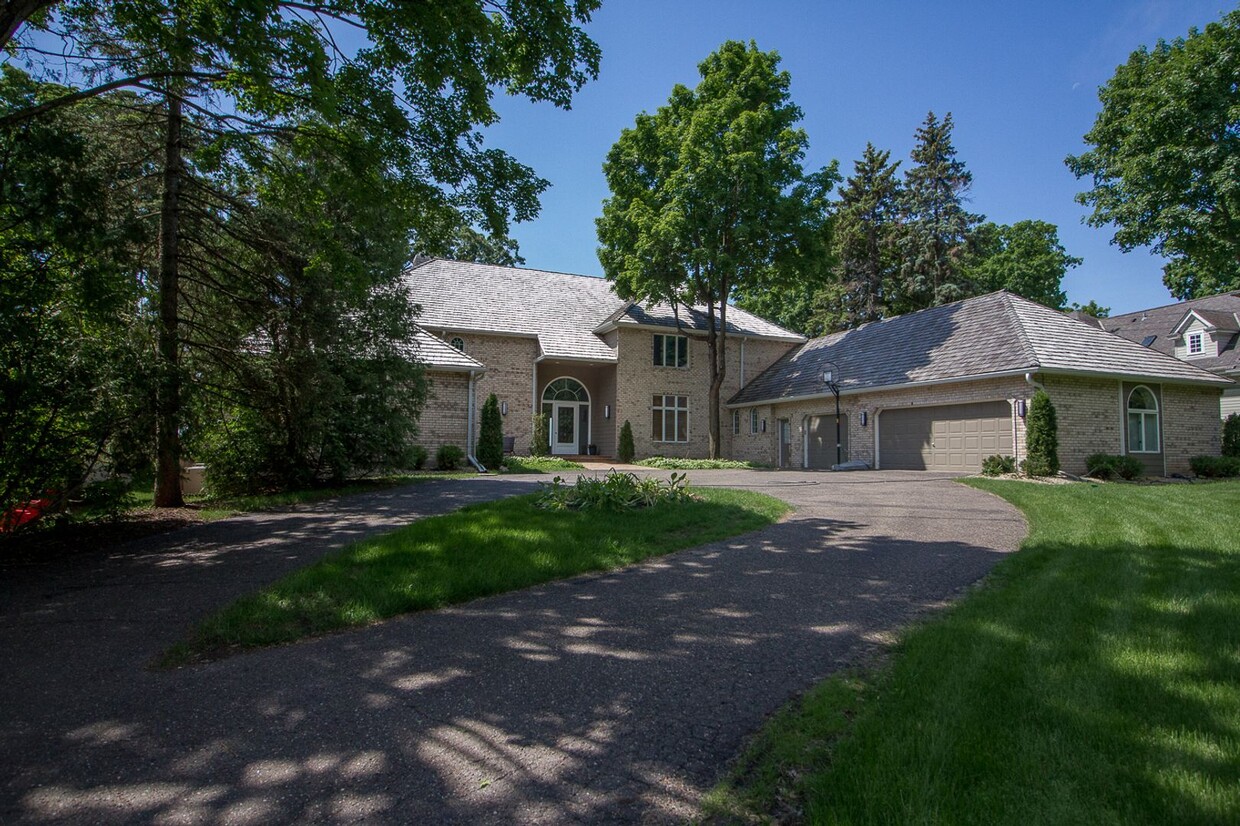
[(943, 388), (567, 346), (1204, 332)]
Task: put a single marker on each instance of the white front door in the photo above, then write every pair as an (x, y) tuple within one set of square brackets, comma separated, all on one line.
[(564, 428)]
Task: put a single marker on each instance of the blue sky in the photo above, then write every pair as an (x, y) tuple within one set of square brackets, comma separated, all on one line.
[(1020, 79)]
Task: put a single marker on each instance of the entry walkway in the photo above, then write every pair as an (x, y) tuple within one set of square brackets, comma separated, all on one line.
[(611, 697)]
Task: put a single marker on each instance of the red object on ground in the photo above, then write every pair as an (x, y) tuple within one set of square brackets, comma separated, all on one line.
[(24, 514)]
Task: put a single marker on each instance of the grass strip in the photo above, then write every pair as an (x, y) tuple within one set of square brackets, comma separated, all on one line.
[(479, 550), (538, 464), (1095, 678)]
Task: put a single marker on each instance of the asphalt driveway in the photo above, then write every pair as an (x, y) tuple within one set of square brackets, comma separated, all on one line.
[(613, 697)]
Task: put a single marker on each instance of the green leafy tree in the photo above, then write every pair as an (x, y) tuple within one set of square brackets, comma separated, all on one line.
[(866, 217), (1092, 308), (625, 451), (708, 197), (1042, 437), (73, 380), (935, 227), (491, 435), (1165, 158), (230, 77), (1025, 258)]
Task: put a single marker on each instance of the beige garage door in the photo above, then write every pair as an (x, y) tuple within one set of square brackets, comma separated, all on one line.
[(821, 438), (954, 437)]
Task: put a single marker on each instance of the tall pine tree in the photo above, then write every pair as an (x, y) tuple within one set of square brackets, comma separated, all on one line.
[(865, 233), (935, 227)]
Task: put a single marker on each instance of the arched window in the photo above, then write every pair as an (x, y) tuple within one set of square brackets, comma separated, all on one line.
[(1142, 421), (458, 343), (565, 390)]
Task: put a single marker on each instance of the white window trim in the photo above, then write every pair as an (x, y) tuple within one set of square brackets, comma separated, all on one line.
[(663, 351), (663, 407), (1143, 412), (1199, 337)]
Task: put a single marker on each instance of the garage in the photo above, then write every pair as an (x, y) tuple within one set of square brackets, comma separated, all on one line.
[(820, 441), (952, 437)]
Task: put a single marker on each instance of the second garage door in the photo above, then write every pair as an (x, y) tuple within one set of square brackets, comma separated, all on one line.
[(953, 437)]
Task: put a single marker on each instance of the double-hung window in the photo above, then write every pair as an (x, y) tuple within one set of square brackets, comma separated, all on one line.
[(736, 422), (753, 421), (671, 351), (669, 419), (1196, 344)]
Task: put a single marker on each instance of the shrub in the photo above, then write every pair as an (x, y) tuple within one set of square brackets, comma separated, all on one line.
[(1042, 437), (626, 451), (615, 491), (108, 498), (540, 444), (1108, 466), (1215, 467), (491, 435), (664, 463), (1231, 436), (449, 457), (998, 465), (418, 456)]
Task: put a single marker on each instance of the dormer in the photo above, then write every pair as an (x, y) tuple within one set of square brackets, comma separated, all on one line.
[(1201, 333)]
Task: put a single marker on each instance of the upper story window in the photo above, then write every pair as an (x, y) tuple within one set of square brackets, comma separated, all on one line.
[(1196, 343), (458, 343), (671, 351), (1142, 421)]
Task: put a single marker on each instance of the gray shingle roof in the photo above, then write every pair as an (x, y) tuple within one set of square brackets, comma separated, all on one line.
[(740, 322), (561, 310), (434, 352), (998, 333), (1162, 321)]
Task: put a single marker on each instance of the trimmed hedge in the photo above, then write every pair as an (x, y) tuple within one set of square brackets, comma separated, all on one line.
[(1215, 467)]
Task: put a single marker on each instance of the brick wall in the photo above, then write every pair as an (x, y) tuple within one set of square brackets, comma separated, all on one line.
[(443, 418), (638, 381), (1090, 418), (1190, 425), (509, 375)]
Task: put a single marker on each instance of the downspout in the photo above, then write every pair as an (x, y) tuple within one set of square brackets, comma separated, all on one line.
[(469, 425)]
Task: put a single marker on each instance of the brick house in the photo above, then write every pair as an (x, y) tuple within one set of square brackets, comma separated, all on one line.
[(943, 388), (1204, 332), (566, 345), (938, 389)]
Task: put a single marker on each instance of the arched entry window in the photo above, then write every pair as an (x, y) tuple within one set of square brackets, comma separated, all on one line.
[(1142, 421), (567, 405), (565, 390)]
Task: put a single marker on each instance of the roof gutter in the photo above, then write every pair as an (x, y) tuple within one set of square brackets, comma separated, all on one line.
[(469, 424), (1036, 385), (854, 391)]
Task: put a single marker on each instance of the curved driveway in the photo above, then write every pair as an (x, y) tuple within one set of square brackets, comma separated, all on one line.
[(609, 697)]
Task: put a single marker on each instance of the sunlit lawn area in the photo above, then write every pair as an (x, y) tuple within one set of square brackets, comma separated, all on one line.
[(480, 550), (1094, 678)]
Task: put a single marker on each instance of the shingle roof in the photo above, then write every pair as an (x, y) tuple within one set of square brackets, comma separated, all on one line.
[(1162, 321), (561, 310), (740, 322), (999, 333), (434, 352)]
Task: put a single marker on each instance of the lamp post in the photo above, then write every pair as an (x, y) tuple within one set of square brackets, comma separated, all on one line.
[(831, 377)]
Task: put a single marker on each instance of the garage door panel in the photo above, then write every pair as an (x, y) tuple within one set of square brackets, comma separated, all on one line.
[(950, 437), (821, 436)]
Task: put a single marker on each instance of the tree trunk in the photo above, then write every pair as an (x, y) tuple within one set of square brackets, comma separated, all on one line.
[(716, 350), (168, 397)]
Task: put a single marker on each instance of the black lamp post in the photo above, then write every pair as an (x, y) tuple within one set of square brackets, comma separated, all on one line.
[(831, 377)]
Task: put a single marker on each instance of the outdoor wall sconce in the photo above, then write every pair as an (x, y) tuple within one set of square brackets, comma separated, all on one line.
[(1020, 408), (607, 411), (503, 408), (865, 417)]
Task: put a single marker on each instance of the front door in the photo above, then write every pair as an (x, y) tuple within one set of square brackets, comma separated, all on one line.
[(564, 428)]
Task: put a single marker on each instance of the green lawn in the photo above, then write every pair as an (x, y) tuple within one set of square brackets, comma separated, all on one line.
[(480, 550), (1095, 678)]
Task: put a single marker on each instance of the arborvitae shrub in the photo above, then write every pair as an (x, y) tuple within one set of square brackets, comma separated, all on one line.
[(540, 444), (1231, 435), (491, 435), (626, 451), (1042, 437)]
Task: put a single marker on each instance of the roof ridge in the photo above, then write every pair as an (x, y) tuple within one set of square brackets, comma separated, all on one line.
[(601, 278), (1031, 352), (1188, 301)]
